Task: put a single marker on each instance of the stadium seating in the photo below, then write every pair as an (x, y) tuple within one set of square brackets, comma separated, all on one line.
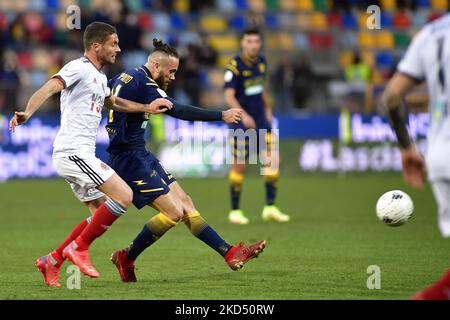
[(384, 60), (289, 26), (442, 5), (237, 22), (388, 5), (318, 21), (385, 40), (305, 5), (213, 23), (320, 40), (402, 39), (257, 5), (321, 5), (401, 20), (366, 40)]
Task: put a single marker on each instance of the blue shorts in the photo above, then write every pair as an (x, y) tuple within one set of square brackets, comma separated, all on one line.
[(143, 172), (243, 148)]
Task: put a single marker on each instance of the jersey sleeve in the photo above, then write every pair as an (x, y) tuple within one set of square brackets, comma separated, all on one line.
[(71, 73), (153, 92), (231, 75), (412, 63)]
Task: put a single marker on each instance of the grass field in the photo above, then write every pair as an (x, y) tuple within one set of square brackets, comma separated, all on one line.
[(323, 253)]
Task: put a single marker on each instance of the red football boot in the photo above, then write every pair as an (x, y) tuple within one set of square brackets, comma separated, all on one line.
[(80, 258), (238, 255), (124, 265), (48, 270)]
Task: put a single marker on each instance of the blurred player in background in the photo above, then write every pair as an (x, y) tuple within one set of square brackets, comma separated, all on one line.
[(152, 185), (84, 92), (245, 81), (427, 58)]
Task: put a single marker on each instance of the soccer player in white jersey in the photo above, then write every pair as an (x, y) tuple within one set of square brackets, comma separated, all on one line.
[(427, 59), (84, 92)]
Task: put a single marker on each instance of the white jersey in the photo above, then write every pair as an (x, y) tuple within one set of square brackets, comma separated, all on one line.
[(85, 90), (428, 58)]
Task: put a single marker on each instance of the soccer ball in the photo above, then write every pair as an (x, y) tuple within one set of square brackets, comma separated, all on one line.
[(394, 208)]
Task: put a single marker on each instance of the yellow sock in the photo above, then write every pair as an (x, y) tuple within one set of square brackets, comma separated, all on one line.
[(159, 224), (195, 222)]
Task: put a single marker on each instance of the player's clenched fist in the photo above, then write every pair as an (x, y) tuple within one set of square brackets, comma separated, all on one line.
[(233, 115), (159, 105)]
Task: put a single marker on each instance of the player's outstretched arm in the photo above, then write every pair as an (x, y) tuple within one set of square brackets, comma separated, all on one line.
[(123, 105), (414, 171), (38, 98), (191, 113), (232, 102)]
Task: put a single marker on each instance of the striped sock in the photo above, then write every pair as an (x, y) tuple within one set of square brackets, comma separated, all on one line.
[(57, 254), (200, 228), (154, 229), (271, 187), (103, 218), (235, 179)]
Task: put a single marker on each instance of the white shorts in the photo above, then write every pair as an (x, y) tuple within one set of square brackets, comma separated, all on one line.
[(441, 190), (84, 174)]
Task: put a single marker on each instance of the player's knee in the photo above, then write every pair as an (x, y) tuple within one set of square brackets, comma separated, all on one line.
[(126, 197), (178, 214), (175, 214), (187, 202)]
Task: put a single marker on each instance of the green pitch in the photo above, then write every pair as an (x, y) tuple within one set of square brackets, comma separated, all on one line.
[(323, 253)]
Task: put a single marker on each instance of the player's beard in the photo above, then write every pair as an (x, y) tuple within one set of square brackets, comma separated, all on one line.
[(161, 83)]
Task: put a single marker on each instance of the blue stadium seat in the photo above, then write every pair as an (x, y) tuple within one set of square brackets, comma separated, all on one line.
[(172, 39), (203, 76), (147, 3), (37, 78), (37, 5), (384, 60), (238, 22), (226, 5), (178, 21), (348, 39), (301, 41), (349, 21), (419, 18), (161, 21), (272, 21), (386, 20), (50, 20), (241, 4), (52, 4), (423, 3)]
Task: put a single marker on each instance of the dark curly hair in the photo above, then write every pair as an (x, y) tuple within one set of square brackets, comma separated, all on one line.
[(164, 47)]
